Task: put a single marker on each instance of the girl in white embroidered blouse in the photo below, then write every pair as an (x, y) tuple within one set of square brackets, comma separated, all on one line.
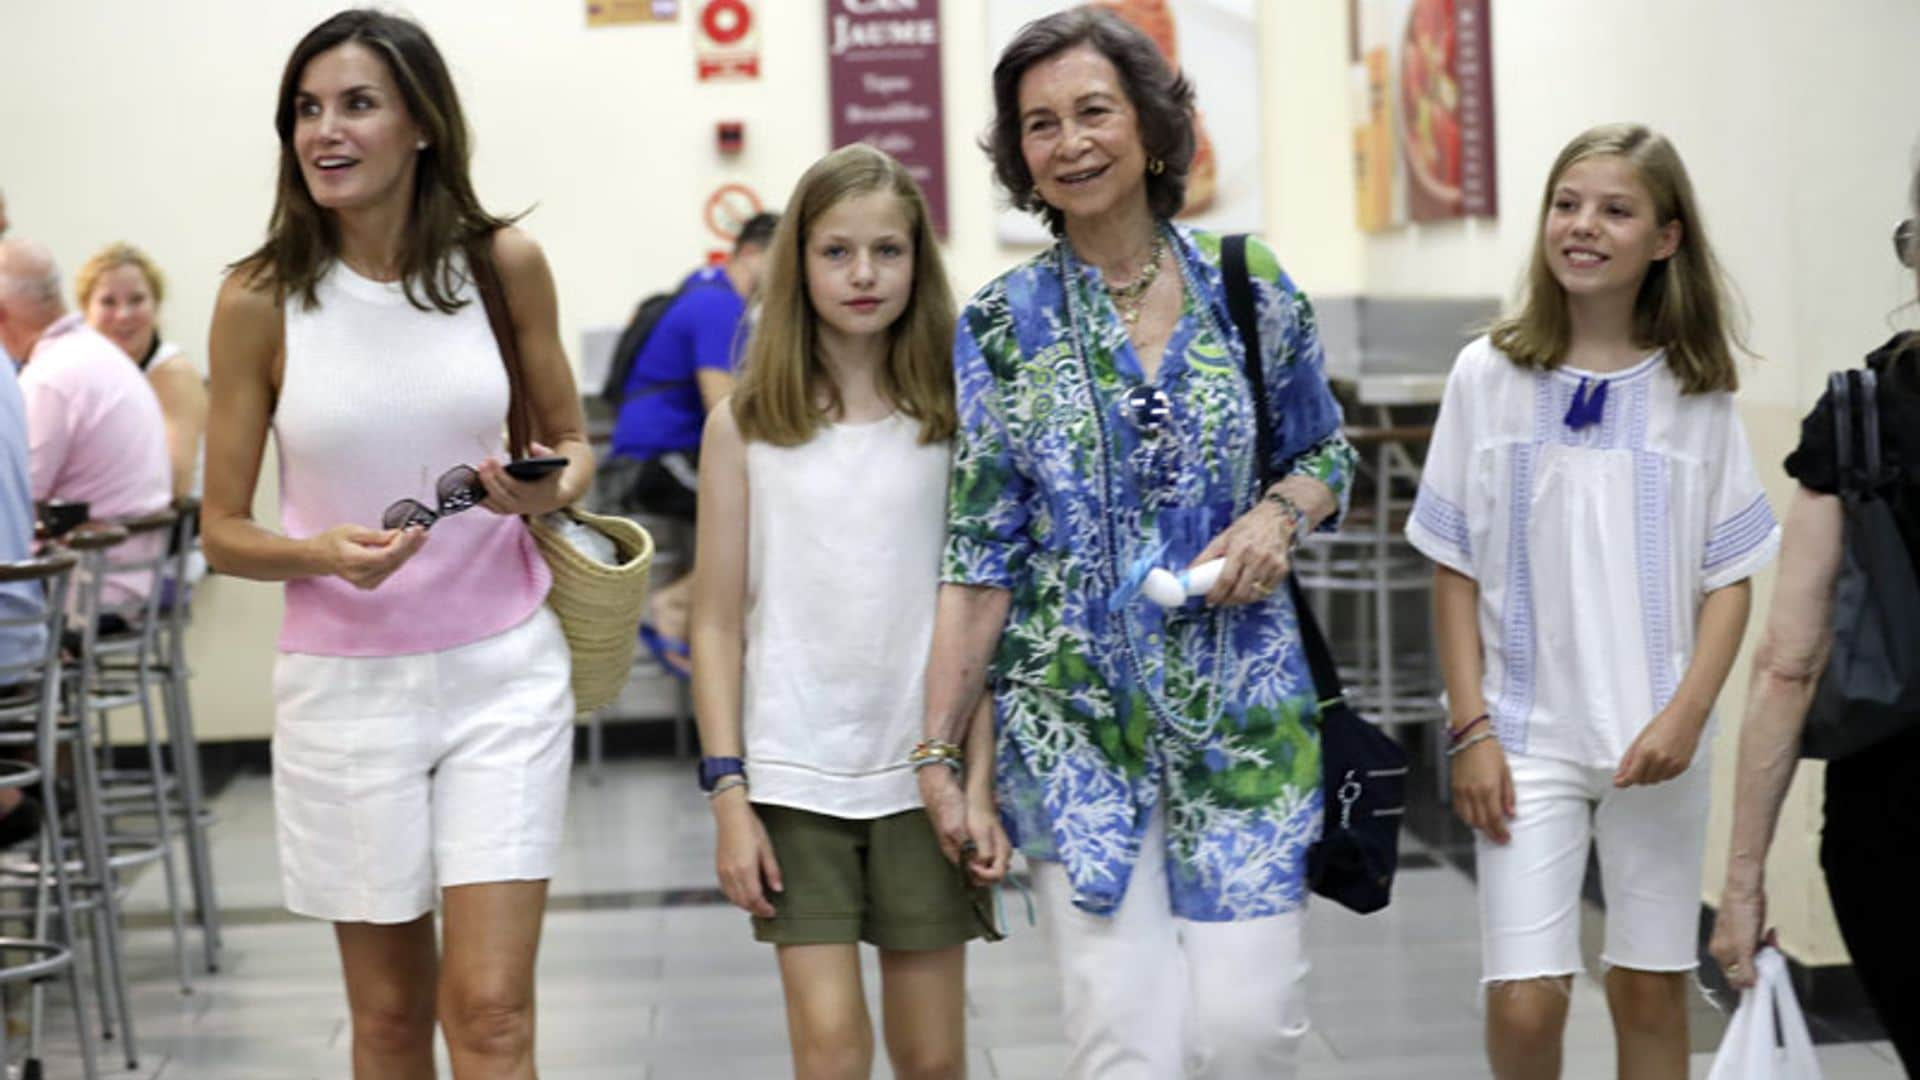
[(1590, 504)]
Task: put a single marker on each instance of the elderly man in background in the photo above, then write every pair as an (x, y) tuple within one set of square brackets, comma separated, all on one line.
[(21, 600), (5, 356), (95, 433)]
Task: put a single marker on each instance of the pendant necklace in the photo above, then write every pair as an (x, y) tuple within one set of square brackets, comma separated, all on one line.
[(1129, 298)]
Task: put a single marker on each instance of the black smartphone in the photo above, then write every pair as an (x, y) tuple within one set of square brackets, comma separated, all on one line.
[(535, 468)]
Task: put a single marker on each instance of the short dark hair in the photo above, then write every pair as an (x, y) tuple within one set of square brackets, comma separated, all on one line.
[(1161, 97), (757, 232)]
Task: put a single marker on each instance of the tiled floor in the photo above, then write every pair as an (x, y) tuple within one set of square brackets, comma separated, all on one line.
[(642, 975)]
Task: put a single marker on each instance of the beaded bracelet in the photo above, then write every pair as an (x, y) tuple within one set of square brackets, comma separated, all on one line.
[(1455, 735), (1474, 741)]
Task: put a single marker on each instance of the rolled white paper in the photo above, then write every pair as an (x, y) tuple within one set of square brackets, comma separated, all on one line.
[(1168, 589)]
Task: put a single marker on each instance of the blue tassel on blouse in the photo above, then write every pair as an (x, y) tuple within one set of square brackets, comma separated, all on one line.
[(1589, 404)]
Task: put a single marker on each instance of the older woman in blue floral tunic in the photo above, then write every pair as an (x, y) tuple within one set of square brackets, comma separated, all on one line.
[(1161, 768)]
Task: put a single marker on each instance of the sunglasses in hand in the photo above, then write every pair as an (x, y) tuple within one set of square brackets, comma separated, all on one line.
[(459, 488)]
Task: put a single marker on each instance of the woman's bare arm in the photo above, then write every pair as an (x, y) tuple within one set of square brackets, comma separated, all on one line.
[(245, 356), (553, 401), (183, 401)]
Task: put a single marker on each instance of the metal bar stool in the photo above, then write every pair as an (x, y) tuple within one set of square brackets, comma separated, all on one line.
[(673, 556), (1369, 561), (92, 542), (29, 712), (118, 655), (187, 792)]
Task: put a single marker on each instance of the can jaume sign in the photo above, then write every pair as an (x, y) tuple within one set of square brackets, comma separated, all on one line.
[(883, 59)]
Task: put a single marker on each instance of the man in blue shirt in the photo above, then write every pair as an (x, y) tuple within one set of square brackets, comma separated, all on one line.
[(683, 369), (17, 645)]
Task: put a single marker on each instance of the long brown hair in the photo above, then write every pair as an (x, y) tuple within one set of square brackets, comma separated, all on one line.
[(1683, 300), (785, 394), (303, 239)]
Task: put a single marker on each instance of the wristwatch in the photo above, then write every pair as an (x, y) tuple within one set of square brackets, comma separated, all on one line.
[(713, 768)]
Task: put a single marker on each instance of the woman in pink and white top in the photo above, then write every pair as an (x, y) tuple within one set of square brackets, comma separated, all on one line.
[(422, 734)]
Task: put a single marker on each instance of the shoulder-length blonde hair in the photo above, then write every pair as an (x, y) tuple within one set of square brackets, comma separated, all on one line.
[(1683, 302), (785, 394), (113, 257), (446, 215)]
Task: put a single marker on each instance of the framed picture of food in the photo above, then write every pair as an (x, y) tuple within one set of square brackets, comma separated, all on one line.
[(1423, 111), (1224, 187)]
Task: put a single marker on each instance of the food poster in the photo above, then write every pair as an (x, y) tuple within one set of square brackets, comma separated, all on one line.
[(1422, 98), (1216, 43)]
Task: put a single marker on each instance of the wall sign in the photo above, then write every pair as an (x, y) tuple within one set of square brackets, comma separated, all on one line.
[(726, 40), (728, 208), (883, 61), (624, 12)]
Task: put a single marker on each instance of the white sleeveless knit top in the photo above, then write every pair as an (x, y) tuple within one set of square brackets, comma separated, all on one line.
[(843, 564), (378, 399)]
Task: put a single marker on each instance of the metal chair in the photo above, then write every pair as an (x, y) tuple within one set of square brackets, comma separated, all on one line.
[(117, 669), (1369, 562), (29, 716), (187, 792)]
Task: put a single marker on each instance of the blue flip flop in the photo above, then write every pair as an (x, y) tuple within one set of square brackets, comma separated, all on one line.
[(674, 656)]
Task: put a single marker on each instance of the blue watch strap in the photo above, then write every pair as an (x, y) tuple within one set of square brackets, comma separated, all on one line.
[(711, 769)]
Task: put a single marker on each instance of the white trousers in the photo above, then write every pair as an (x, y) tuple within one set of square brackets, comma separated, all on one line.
[(1149, 996)]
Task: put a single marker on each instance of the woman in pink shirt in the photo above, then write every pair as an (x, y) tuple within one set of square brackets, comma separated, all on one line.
[(423, 724)]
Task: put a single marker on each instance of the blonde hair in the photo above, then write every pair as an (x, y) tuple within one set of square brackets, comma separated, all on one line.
[(785, 394), (112, 257), (1683, 300)]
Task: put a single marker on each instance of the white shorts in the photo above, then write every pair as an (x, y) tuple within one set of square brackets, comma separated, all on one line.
[(394, 776), (1651, 841)]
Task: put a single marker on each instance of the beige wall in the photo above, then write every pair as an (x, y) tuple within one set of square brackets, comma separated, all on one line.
[(152, 122)]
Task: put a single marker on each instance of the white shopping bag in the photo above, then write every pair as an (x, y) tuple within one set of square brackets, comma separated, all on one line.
[(1767, 1038)]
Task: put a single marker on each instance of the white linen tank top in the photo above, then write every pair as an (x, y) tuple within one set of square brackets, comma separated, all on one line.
[(843, 565)]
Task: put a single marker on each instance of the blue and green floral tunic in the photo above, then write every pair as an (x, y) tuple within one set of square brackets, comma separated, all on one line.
[(1070, 473)]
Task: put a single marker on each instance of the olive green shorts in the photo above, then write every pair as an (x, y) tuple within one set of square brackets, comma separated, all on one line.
[(881, 880)]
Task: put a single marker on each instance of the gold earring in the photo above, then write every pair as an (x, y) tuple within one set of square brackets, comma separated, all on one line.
[(1156, 166), (421, 145)]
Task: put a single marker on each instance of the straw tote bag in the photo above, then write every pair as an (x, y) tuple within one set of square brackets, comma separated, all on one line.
[(599, 605)]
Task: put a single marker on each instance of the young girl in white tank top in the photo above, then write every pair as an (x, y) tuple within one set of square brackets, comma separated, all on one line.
[(823, 503)]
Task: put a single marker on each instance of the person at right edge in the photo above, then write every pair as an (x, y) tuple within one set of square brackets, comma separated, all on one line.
[(1591, 507), (1872, 813)]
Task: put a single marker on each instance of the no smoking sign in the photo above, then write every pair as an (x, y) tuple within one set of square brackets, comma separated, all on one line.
[(727, 41)]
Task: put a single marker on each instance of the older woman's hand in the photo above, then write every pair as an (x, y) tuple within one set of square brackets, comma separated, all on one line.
[(1258, 549), (946, 803), (1736, 933)]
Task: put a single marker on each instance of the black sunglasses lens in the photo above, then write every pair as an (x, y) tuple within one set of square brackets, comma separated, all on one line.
[(1148, 408), (405, 513), (458, 489), (1903, 242)]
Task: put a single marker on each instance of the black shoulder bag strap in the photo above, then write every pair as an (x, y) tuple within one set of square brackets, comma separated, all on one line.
[(1239, 284)]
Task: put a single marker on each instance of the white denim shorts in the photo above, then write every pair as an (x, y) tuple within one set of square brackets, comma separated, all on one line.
[(395, 776), (1651, 842)]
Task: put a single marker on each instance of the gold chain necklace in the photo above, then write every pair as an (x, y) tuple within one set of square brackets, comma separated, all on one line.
[(1129, 298)]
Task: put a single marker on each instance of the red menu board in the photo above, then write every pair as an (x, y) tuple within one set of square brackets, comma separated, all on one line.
[(883, 62)]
